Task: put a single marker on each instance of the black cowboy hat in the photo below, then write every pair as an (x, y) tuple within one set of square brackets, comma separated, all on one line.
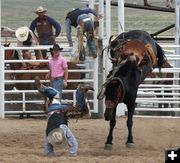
[(56, 47)]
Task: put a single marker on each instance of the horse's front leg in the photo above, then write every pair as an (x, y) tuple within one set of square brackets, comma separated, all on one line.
[(130, 142), (108, 144)]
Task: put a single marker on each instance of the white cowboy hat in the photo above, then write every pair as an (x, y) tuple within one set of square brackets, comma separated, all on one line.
[(22, 33), (40, 9), (56, 136)]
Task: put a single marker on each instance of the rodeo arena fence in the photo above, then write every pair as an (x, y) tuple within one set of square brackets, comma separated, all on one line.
[(16, 101), (157, 98)]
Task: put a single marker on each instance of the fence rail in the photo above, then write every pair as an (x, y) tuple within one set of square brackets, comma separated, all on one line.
[(22, 96), (162, 97), (149, 95)]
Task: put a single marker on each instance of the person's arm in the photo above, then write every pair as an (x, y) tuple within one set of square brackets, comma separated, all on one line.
[(48, 148), (33, 25), (33, 39), (65, 76), (68, 31), (56, 25)]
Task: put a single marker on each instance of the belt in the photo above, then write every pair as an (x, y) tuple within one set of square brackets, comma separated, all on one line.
[(56, 78), (86, 19)]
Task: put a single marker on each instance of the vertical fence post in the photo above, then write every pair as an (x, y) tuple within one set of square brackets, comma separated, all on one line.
[(95, 78), (177, 37), (120, 16), (2, 82), (108, 64), (101, 74)]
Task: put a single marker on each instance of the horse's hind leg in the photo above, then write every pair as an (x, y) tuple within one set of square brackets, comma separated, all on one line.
[(108, 144), (130, 142)]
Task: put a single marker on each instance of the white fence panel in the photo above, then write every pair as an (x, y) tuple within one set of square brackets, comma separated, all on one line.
[(92, 79), (162, 97)]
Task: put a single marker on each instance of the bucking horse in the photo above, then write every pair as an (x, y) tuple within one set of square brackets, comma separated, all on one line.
[(134, 55)]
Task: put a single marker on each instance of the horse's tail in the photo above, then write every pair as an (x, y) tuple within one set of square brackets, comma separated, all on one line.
[(161, 58)]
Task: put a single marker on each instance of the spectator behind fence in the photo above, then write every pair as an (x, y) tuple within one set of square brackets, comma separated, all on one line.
[(58, 72), (168, 3), (26, 38), (146, 3), (44, 26)]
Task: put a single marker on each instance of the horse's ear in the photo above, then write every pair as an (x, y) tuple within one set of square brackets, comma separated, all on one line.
[(8, 44), (110, 38)]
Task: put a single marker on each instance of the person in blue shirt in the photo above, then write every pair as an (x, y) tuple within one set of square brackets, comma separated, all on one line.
[(44, 26), (80, 18)]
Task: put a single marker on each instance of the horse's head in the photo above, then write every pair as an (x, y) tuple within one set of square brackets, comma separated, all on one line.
[(115, 47), (113, 95)]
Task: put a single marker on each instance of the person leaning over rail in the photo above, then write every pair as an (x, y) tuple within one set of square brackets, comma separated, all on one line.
[(44, 26), (80, 19), (26, 38)]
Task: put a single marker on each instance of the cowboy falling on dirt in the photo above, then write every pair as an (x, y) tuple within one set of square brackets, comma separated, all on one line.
[(57, 131)]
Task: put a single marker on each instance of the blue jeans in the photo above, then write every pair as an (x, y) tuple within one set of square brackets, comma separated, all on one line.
[(89, 28), (44, 41), (51, 93), (58, 85), (80, 99)]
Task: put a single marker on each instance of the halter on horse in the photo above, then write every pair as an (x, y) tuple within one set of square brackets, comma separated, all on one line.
[(133, 54)]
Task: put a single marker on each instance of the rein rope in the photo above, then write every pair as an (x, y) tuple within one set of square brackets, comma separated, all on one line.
[(101, 91)]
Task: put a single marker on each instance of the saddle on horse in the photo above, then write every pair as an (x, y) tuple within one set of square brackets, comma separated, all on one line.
[(141, 51)]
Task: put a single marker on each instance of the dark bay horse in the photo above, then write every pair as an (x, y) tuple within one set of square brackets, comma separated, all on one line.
[(133, 54)]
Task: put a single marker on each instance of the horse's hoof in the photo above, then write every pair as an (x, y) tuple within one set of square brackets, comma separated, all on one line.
[(130, 145), (108, 146)]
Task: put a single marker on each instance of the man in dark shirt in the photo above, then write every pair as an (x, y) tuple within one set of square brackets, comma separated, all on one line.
[(44, 25)]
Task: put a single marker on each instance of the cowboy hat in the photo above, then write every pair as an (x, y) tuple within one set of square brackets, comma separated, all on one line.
[(56, 136), (40, 9), (55, 48), (22, 33)]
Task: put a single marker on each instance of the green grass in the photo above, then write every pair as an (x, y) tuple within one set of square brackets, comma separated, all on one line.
[(16, 13)]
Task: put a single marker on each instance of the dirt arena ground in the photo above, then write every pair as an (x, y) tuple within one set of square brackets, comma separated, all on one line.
[(21, 141)]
